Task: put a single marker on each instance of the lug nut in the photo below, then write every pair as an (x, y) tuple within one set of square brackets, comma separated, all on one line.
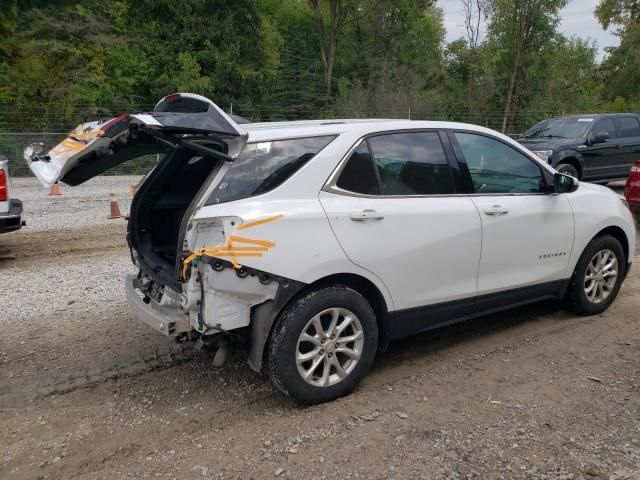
[(330, 355), (321, 352), (332, 337), (322, 341)]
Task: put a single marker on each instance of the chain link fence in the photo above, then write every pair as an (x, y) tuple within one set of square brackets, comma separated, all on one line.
[(13, 141)]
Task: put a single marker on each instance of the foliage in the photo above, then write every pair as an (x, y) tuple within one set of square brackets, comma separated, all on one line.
[(64, 61), (621, 70)]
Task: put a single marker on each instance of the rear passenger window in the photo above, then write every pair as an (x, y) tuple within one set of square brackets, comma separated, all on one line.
[(605, 126), (411, 164), (358, 175), (629, 127)]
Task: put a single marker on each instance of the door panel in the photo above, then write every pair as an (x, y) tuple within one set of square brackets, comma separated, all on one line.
[(527, 241), (527, 234), (629, 141), (602, 159), (425, 250)]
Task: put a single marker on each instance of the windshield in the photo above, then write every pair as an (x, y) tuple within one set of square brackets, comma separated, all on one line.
[(560, 128), (263, 166)]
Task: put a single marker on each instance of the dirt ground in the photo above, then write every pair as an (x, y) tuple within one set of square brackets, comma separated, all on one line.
[(87, 391)]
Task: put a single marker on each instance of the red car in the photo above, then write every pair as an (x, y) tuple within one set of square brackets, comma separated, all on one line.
[(632, 190)]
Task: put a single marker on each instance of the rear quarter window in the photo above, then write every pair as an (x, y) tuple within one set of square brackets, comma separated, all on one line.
[(629, 127), (263, 166)]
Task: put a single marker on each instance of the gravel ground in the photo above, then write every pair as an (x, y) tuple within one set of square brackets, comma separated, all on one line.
[(84, 206), (87, 391)]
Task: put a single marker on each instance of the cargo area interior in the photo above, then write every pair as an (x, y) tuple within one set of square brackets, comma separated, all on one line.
[(160, 205)]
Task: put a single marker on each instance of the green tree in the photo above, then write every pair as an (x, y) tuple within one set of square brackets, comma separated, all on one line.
[(296, 90), (332, 16), (621, 69), (521, 32), (8, 14), (391, 58)]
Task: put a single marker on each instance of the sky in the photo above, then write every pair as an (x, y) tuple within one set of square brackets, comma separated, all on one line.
[(577, 19)]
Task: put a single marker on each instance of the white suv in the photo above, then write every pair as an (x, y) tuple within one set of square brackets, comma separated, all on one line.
[(321, 241)]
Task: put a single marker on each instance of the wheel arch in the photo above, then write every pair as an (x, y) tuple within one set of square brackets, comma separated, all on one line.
[(572, 158), (620, 235), (370, 292), (265, 315)]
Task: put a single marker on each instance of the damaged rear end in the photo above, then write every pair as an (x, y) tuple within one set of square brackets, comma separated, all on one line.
[(192, 282), (195, 229)]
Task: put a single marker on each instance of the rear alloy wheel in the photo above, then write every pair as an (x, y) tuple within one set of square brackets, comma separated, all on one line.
[(323, 344), (329, 347), (568, 169), (597, 277)]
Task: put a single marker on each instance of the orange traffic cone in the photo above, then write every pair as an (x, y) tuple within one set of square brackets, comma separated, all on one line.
[(113, 205), (132, 189), (55, 189)]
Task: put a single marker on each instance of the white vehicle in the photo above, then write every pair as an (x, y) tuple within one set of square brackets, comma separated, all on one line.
[(319, 242)]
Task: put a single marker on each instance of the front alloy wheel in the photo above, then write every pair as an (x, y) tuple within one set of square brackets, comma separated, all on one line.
[(601, 276), (323, 344), (597, 277)]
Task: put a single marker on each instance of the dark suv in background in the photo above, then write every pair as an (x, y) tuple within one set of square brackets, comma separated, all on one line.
[(592, 147)]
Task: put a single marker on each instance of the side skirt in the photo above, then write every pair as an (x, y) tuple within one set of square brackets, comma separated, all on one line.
[(404, 323)]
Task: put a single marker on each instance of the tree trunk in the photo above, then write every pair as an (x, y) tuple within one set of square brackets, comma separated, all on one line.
[(328, 76), (512, 83), (330, 30), (512, 87)]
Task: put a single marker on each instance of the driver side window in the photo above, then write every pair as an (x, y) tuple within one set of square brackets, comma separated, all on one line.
[(498, 168)]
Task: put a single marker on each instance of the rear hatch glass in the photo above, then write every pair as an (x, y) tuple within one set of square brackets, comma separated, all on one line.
[(263, 166)]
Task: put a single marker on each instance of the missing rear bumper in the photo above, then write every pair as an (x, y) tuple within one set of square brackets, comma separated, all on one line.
[(168, 320)]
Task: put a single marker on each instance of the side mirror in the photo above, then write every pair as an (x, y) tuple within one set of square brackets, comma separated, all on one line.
[(564, 183), (597, 137)]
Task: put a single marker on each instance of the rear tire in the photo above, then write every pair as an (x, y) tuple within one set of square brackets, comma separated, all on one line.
[(323, 344), (568, 169), (596, 280)]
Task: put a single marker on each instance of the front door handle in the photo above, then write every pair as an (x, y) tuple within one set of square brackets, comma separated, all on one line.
[(496, 211), (365, 215)]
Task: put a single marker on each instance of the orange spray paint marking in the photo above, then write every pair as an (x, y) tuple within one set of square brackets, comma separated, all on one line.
[(257, 249)]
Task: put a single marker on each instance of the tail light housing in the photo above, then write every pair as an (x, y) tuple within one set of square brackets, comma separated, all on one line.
[(4, 193), (107, 126)]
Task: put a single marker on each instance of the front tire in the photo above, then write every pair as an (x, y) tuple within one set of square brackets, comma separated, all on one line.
[(597, 277), (323, 344)]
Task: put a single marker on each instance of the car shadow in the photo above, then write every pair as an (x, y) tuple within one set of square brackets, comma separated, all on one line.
[(445, 338)]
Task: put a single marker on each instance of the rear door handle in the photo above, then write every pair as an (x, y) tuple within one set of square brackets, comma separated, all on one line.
[(365, 215), (496, 211)]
